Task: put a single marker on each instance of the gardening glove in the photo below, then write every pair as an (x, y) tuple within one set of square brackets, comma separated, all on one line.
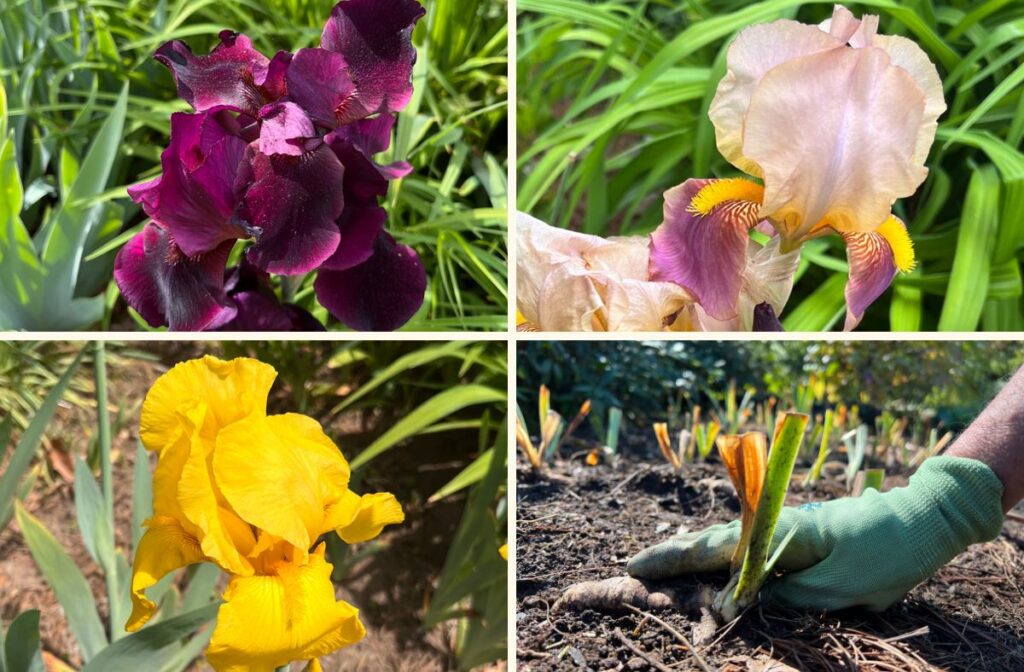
[(864, 551)]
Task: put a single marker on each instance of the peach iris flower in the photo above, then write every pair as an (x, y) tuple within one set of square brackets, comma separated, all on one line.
[(251, 493), (837, 121)]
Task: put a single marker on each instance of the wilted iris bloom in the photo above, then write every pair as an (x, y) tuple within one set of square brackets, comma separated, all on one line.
[(280, 152), (837, 122), (568, 281), (252, 493)]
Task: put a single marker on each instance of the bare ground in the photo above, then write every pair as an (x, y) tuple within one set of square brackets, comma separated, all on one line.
[(585, 523)]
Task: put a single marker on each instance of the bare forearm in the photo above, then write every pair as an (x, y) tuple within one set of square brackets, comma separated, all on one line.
[(996, 437)]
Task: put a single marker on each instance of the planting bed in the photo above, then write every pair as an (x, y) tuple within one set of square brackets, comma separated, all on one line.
[(584, 523)]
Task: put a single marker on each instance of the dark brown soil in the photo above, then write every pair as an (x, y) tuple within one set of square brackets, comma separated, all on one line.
[(392, 587), (586, 522)]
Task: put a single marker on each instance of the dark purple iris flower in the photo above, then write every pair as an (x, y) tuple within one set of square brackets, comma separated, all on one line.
[(280, 152)]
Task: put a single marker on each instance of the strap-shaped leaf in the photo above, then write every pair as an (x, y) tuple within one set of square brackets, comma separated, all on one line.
[(143, 650)]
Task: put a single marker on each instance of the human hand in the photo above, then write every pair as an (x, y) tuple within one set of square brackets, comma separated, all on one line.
[(864, 551)]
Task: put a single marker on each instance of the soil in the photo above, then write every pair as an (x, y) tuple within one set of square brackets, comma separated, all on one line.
[(391, 588), (583, 523)]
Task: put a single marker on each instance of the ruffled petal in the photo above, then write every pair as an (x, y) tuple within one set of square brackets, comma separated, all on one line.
[(164, 547), (375, 37), (292, 205), (319, 81), (380, 294), (224, 537), (755, 51), (285, 129), (369, 515), (703, 248), (168, 288), (226, 391), (281, 473), (846, 155), (230, 76), (195, 196), (268, 621), (874, 259)]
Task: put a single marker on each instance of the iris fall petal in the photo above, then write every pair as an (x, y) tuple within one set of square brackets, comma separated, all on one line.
[(163, 548)]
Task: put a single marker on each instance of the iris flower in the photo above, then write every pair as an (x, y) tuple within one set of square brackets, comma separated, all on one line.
[(836, 121), (252, 493), (280, 151)]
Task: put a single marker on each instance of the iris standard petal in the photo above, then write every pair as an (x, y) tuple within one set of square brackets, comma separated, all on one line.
[(319, 81), (280, 473), (164, 547), (380, 294), (227, 391), (702, 241), (268, 621), (375, 37), (168, 288), (285, 129), (224, 537), (195, 196), (370, 514), (846, 155), (230, 76), (755, 51), (292, 206), (874, 259)]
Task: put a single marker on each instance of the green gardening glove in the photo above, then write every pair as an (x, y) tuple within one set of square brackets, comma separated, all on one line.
[(864, 551)]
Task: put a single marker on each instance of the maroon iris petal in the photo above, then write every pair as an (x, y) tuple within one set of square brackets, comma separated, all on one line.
[(381, 294), (259, 311), (364, 183), (275, 86), (372, 136), (319, 81), (375, 37), (292, 206), (360, 226), (230, 76), (285, 129), (168, 288), (195, 197)]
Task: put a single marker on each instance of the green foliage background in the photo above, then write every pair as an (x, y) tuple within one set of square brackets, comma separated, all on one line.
[(88, 112), (612, 111), (657, 379)]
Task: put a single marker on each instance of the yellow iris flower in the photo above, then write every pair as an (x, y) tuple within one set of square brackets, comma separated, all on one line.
[(251, 493)]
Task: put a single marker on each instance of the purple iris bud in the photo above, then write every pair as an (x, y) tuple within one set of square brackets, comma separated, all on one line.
[(765, 318), (375, 37), (168, 288), (196, 195), (380, 294)]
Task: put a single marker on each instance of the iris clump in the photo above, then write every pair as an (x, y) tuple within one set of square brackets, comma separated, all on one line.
[(835, 120), (280, 152), (253, 494)]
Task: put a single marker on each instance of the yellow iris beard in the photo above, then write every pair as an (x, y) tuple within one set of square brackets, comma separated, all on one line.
[(721, 191), (899, 240)]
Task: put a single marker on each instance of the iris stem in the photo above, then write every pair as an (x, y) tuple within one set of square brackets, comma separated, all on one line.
[(107, 483), (289, 286)]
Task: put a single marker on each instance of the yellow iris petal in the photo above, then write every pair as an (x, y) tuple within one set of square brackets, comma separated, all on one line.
[(225, 538), (718, 192), (164, 548), (232, 390), (280, 473), (896, 234), (503, 551), (369, 514), (268, 621)]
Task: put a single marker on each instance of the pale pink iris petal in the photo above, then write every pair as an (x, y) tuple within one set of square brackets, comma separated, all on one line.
[(706, 254), (845, 27), (871, 272), (567, 281), (754, 52), (911, 58), (835, 134)]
